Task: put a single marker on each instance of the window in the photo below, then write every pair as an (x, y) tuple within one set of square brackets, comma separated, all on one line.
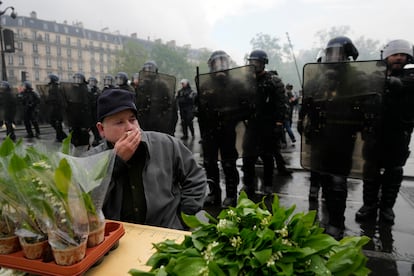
[(59, 51), (79, 43), (37, 75), (47, 37), (69, 52), (10, 59), (80, 66), (20, 46), (36, 61), (45, 26), (47, 49), (48, 62), (35, 48), (58, 39), (11, 73), (69, 64), (21, 60), (68, 40), (59, 63), (79, 53)]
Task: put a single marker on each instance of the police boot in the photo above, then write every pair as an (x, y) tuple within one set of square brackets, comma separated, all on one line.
[(37, 129), (369, 209), (191, 126), (389, 193), (232, 180), (214, 197)]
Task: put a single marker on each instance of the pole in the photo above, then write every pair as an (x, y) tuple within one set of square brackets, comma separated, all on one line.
[(294, 59), (3, 62)]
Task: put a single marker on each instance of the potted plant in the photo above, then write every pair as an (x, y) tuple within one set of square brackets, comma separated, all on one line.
[(49, 181), (249, 239), (31, 232)]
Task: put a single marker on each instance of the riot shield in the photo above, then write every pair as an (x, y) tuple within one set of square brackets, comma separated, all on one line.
[(155, 100), (44, 110), (226, 97), (77, 113), (340, 111)]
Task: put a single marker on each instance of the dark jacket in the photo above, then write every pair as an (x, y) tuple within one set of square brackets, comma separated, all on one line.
[(173, 181)]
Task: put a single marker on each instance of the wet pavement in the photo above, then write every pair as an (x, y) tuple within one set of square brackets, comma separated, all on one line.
[(391, 250)]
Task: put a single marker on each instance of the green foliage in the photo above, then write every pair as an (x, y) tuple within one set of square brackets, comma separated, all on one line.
[(249, 239)]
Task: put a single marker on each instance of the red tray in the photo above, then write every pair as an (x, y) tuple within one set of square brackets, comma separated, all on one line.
[(113, 232)]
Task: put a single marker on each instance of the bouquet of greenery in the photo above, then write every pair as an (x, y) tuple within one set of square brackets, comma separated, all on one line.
[(251, 240)]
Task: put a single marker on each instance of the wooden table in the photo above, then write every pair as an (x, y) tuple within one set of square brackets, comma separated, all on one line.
[(134, 249)]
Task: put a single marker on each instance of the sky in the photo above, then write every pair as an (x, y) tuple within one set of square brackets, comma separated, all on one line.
[(230, 25)]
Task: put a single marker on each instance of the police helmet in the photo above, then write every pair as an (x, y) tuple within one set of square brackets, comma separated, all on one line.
[(340, 48), (398, 46), (259, 55), (184, 81), (92, 81), (108, 80), (121, 78), (53, 78), (150, 66), (4, 85), (79, 78), (218, 61), (27, 85), (289, 86)]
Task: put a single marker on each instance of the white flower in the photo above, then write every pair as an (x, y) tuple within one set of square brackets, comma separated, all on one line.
[(236, 241)]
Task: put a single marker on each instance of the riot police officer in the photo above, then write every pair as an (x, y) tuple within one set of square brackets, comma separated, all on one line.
[(30, 100), (219, 134), (108, 82), (265, 128), (331, 160), (157, 110), (386, 153), (121, 80), (185, 100), (7, 108), (78, 110), (55, 102), (94, 93)]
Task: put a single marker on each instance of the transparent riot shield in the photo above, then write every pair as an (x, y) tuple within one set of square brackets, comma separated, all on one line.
[(77, 113), (340, 113), (226, 97), (155, 102), (44, 110)]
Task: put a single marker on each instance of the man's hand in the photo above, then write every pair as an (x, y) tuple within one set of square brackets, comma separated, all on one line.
[(127, 144)]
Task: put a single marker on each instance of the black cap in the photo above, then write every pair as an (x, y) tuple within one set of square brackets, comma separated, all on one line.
[(112, 101)]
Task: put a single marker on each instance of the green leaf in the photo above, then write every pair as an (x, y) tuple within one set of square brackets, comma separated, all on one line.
[(191, 220), (62, 177), (189, 266), (263, 256)]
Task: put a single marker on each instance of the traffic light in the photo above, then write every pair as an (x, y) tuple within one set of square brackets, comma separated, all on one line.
[(8, 39)]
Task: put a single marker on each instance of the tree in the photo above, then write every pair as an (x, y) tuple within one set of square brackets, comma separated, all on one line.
[(130, 58)]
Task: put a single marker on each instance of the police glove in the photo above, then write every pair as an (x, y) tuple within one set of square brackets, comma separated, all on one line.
[(278, 129)]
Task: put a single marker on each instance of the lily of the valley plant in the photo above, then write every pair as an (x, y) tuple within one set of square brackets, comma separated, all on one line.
[(47, 187), (249, 239)]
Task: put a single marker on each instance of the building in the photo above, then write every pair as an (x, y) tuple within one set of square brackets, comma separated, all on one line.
[(44, 47)]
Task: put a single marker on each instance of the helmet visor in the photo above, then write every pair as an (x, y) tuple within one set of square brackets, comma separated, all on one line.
[(219, 64), (78, 79), (335, 54)]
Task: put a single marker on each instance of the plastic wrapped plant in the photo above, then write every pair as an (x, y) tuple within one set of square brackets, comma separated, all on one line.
[(249, 239)]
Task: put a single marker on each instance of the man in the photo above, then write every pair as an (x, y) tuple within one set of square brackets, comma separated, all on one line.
[(332, 127), (219, 129), (155, 176), (30, 100), (386, 154), (185, 100), (8, 108), (264, 130), (93, 95), (155, 101), (56, 104)]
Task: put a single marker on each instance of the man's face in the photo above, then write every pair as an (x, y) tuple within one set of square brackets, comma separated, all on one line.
[(114, 126), (258, 65), (397, 62)]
